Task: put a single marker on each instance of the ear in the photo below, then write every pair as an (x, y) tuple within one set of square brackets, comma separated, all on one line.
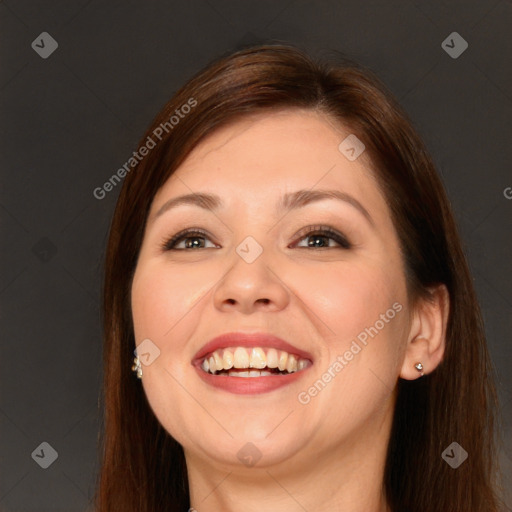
[(427, 336)]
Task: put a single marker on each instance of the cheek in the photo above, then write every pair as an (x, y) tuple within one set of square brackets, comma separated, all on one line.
[(351, 298), (364, 309), (161, 297), (163, 301)]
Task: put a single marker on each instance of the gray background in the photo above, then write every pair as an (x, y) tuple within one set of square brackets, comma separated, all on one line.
[(70, 121)]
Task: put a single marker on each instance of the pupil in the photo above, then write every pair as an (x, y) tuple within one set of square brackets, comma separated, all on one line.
[(316, 238), (192, 242)]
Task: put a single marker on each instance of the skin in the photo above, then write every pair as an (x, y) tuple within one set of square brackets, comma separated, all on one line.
[(328, 454)]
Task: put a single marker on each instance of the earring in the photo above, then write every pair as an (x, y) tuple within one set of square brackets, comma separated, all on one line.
[(137, 367), (419, 367)]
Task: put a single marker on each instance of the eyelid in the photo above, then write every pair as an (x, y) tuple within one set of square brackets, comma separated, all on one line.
[(327, 231), (168, 244)]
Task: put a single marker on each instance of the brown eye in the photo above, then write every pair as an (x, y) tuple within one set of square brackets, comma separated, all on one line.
[(194, 239), (319, 236)]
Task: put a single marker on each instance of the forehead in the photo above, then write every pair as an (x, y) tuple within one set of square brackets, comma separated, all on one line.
[(260, 157)]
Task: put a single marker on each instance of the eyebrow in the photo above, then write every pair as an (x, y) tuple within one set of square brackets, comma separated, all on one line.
[(290, 201)]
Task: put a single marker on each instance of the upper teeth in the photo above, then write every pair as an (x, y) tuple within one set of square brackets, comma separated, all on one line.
[(239, 357)]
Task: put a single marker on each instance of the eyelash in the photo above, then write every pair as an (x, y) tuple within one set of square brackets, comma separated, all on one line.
[(169, 244)]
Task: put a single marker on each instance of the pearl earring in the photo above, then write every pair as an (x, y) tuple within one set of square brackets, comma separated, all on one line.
[(137, 367), (419, 367)]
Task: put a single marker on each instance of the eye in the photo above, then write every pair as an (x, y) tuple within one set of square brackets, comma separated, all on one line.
[(193, 238), (319, 237)]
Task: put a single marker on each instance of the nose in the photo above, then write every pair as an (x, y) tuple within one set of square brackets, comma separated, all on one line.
[(251, 287)]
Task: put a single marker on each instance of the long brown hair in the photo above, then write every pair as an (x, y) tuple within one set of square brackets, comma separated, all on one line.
[(143, 468)]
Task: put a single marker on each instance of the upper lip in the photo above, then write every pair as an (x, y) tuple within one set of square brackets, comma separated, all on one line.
[(256, 339)]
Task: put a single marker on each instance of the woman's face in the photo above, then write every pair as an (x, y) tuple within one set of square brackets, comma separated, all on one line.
[(267, 266)]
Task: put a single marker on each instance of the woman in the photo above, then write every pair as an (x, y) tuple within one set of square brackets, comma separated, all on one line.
[(284, 261)]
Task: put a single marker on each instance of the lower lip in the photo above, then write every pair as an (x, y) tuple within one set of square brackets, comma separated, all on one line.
[(250, 385)]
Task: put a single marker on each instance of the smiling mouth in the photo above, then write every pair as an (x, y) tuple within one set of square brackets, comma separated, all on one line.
[(252, 362)]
